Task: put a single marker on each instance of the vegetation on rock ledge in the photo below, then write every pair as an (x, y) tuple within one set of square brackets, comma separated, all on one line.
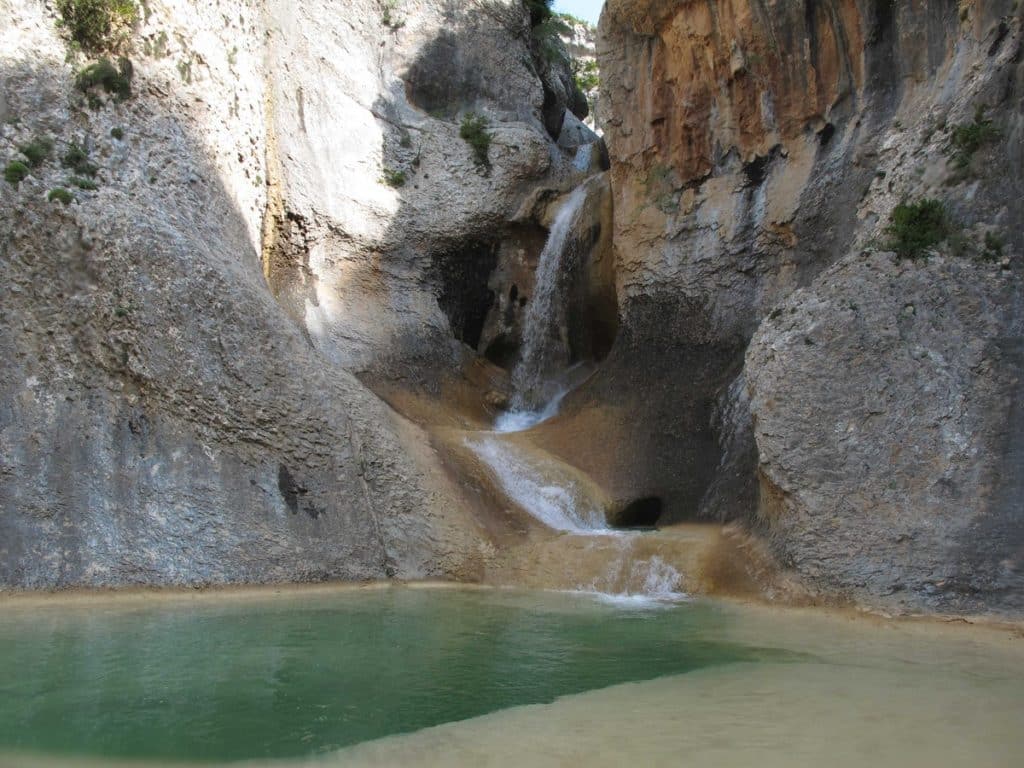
[(970, 137), (15, 172), (474, 132), (116, 81), (917, 227), (97, 25)]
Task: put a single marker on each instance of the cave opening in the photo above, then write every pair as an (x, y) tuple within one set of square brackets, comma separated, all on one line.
[(462, 272), (640, 513)]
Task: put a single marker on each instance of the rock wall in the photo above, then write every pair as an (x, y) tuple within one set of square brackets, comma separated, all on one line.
[(178, 401), (757, 153)]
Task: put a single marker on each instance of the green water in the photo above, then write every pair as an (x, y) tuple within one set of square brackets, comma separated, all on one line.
[(299, 675)]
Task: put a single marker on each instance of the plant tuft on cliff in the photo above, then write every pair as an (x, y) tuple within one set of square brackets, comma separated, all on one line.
[(968, 138), (37, 151), (474, 131), (540, 10), (77, 159), (15, 172), (97, 25), (116, 81), (389, 15), (60, 195), (393, 178), (914, 228)]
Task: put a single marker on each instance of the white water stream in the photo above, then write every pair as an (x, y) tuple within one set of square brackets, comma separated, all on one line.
[(537, 389)]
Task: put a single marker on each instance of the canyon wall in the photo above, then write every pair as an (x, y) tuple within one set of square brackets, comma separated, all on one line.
[(283, 201), (863, 412)]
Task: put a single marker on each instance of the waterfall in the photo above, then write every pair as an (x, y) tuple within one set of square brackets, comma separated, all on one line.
[(536, 388), (548, 492)]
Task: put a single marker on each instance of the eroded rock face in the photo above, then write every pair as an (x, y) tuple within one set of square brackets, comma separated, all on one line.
[(178, 404), (753, 146), (886, 402)]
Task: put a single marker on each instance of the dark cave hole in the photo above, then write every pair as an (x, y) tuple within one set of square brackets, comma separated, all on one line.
[(503, 352), (756, 170), (641, 513), (462, 271), (826, 134)]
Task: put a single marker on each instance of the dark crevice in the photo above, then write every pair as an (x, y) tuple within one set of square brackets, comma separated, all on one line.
[(641, 513), (462, 272)]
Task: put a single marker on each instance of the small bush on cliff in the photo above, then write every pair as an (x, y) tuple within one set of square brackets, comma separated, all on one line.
[(116, 81), (15, 172), (540, 10), (586, 74), (97, 25), (389, 15), (968, 138), (77, 159), (60, 195), (475, 133), (37, 151), (916, 227), (394, 178)]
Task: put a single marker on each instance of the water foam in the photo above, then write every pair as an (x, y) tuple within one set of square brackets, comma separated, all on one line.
[(564, 506)]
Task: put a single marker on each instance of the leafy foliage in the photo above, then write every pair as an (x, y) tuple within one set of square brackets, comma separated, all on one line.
[(547, 39), (15, 172), (96, 24), (540, 10), (586, 74), (968, 138), (394, 178), (916, 227), (60, 195), (114, 80), (87, 184), (37, 151), (77, 159), (474, 131)]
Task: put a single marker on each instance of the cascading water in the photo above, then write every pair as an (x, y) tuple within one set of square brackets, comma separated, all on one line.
[(537, 390), (552, 496), (556, 494)]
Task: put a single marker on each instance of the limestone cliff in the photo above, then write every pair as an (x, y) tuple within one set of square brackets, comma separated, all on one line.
[(283, 201), (758, 151)]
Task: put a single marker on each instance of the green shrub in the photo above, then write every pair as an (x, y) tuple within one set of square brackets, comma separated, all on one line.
[(61, 195), (586, 74), (394, 178), (389, 15), (97, 24), (77, 159), (916, 227), (993, 247), (968, 138), (37, 151), (547, 41), (114, 80), (87, 184), (117, 133), (475, 133), (15, 172), (540, 10)]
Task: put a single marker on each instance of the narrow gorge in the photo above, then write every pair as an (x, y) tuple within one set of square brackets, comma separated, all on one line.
[(387, 379), (319, 255)]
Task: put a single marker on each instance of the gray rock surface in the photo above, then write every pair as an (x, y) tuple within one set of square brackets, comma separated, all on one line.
[(753, 149), (887, 410), (165, 418)]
